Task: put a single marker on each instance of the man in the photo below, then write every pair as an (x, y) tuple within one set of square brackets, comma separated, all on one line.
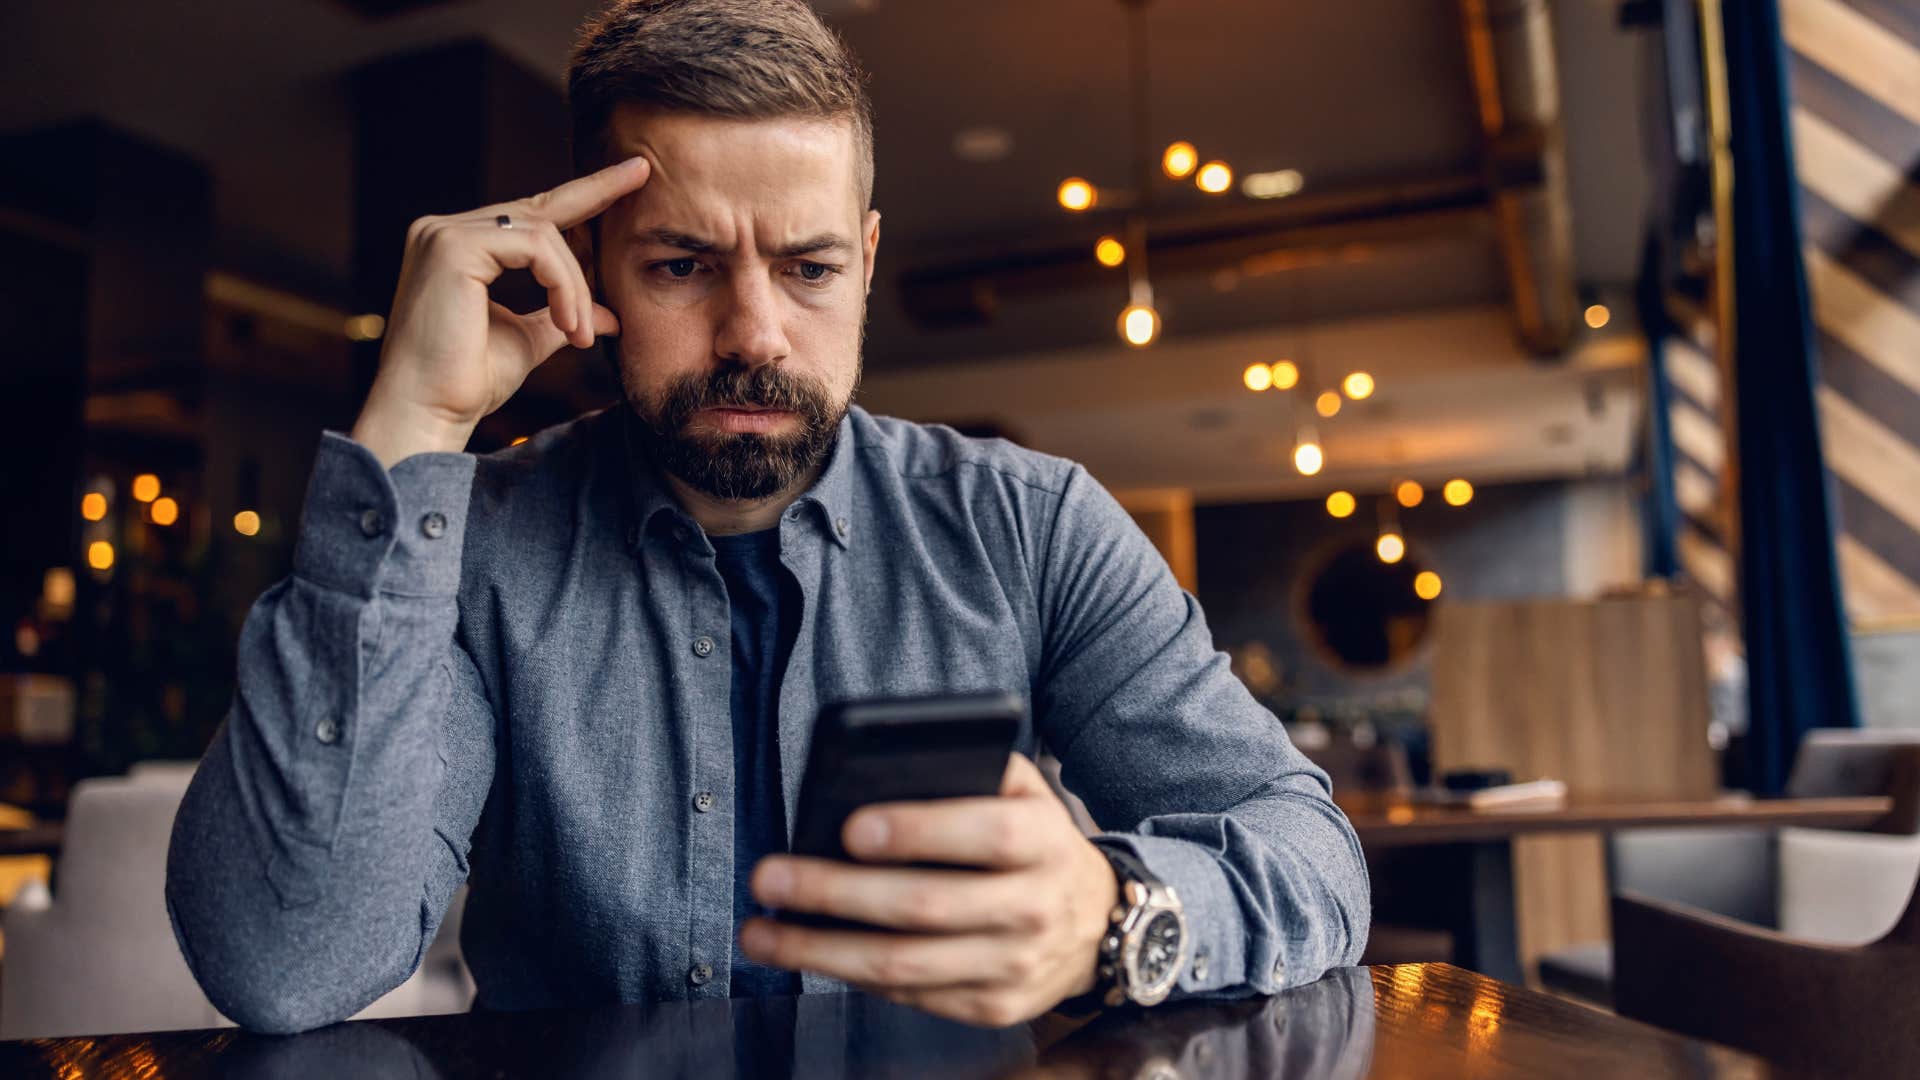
[(581, 673)]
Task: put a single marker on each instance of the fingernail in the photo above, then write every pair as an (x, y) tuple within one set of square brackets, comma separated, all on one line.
[(868, 832), (775, 880)]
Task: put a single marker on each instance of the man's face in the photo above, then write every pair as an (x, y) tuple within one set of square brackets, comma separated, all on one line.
[(739, 274)]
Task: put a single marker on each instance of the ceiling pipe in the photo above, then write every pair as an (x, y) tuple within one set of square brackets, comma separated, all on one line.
[(1517, 93)]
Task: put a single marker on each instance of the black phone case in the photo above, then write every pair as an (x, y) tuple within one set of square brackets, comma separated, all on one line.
[(943, 746)]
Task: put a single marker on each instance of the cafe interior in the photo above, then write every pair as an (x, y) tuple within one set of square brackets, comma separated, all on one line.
[(1526, 390)]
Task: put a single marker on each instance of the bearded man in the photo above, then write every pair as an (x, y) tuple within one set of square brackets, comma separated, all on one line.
[(580, 675)]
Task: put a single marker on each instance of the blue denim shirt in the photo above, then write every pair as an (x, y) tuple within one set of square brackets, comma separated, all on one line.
[(513, 670)]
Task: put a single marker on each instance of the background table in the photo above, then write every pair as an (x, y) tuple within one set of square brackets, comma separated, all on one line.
[(1463, 869), (1409, 1021)]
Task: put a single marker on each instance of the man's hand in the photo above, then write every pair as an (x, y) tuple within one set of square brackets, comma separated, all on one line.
[(993, 946), (452, 355)]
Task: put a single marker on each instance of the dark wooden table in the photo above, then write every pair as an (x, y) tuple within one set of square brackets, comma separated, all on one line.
[(40, 839), (1462, 870), (1410, 1021)]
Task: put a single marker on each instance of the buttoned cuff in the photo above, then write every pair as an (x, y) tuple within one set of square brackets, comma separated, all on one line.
[(1217, 963), (367, 529)]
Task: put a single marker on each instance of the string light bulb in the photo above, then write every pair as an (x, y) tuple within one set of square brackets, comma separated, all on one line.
[(93, 506), (1258, 377), (164, 511), (1341, 504), (1327, 404), (1110, 252), (1308, 458), (1391, 547), (100, 555), (1426, 585), (1076, 194), (1139, 325), (1457, 492), (1179, 160), (247, 523), (1214, 178), (1409, 493), (1358, 385), (146, 487), (1598, 316), (1286, 374)]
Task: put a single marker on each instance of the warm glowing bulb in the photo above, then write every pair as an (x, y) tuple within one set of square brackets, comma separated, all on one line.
[(1409, 492), (1076, 194), (1341, 504), (366, 327), (1179, 160), (100, 555), (1286, 374), (1214, 177), (164, 511), (1258, 377), (1390, 547), (246, 523), (518, 441), (1426, 584), (93, 506), (146, 487), (1597, 316), (1358, 385), (1327, 404), (1139, 324), (1110, 251), (1308, 458), (1457, 493)]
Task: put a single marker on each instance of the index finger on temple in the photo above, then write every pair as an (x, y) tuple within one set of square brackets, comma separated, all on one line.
[(586, 197)]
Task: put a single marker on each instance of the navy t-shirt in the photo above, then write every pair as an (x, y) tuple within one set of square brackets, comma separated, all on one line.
[(765, 602)]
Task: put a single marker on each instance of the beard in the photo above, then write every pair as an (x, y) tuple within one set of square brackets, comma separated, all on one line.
[(740, 466)]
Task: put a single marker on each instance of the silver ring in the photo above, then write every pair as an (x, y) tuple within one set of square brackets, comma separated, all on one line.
[(503, 221)]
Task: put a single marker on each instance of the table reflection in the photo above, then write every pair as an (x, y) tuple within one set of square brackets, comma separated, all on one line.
[(1322, 1030)]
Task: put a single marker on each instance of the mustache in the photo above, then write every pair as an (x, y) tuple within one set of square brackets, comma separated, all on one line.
[(738, 386)]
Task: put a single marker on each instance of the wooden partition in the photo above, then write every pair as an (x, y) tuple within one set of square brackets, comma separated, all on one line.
[(1607, 695)]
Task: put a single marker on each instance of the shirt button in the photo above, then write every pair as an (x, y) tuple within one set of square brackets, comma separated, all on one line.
[(327, 730), (703, 646), (434, 525), (372, 523), (840, 526), (700, 975), (1200, 966), (633, 536), (703, 801), (1279, 972)]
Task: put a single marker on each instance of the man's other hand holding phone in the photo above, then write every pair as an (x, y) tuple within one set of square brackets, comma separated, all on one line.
[(1005, 934)]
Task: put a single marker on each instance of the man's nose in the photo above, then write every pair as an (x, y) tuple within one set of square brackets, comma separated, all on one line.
[(750, 330)]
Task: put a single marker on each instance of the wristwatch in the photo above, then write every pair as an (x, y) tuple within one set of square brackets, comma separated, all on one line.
[(1146, 945)]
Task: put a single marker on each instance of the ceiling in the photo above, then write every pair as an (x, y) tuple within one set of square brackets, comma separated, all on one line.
[(1354, 93)]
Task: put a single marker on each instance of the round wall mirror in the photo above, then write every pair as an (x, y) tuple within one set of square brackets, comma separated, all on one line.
[(1362, 614)]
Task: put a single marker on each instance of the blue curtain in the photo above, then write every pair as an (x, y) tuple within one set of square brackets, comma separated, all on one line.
[(1799, 675)]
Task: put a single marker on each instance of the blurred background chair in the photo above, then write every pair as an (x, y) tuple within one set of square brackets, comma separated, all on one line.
[(1831, 1010), (97, 955), (1810, 884)]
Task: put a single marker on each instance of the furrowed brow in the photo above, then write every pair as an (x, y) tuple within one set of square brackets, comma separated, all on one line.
[(823, 244), (673, 238)]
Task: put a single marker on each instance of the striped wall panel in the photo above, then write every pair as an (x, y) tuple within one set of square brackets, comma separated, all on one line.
[(1855, 80)]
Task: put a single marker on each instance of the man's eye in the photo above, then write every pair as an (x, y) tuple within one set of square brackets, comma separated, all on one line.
[(816, 272), (680, 268)]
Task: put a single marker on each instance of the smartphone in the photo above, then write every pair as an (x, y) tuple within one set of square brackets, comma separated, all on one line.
[(944, 746)]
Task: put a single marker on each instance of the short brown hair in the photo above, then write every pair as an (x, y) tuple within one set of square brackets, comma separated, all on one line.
[(741, 59)]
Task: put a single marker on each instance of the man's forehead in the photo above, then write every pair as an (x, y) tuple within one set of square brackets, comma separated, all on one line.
[(785, 161)]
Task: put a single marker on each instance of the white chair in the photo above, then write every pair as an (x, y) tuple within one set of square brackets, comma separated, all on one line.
[(98, 955)]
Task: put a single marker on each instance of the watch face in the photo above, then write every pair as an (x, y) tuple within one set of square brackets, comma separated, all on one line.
[(1159, 948)]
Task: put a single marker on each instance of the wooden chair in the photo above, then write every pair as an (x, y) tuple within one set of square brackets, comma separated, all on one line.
[(1833, 1010)]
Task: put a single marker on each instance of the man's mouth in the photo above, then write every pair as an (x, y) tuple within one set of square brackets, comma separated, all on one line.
[(745, 419)]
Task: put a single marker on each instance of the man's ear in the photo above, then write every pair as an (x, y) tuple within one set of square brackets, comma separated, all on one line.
[(580, 242), (870, 242)]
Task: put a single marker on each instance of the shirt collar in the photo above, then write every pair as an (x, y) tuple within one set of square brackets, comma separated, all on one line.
[(829, 501)]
